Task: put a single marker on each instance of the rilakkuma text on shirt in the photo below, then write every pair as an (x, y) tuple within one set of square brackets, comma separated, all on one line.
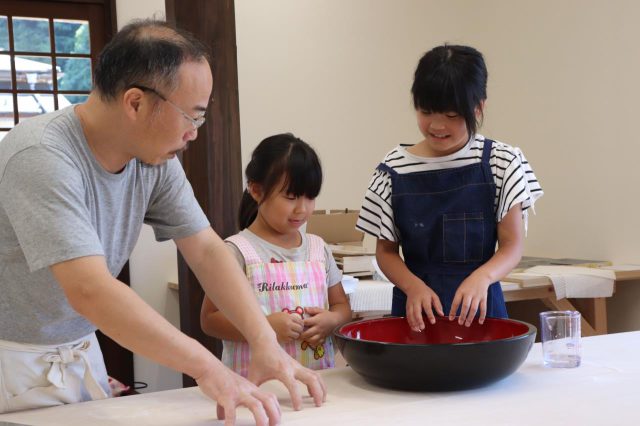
[(282, 286)]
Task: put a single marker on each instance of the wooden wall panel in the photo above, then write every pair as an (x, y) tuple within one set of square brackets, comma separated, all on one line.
[(213, 162)]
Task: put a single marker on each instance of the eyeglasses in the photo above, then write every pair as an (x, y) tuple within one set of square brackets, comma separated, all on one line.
[(195, 122)]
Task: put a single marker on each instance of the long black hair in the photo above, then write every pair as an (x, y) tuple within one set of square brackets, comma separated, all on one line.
[(451, 78), (279, 156)]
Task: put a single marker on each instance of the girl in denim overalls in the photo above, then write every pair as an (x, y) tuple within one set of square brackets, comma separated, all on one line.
[(449, 199), (293, 274)]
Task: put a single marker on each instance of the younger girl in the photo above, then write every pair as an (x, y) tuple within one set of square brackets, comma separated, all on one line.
[(293, 274), (448, 199)]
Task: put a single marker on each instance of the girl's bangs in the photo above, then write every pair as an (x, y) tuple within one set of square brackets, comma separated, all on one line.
[(440, 94), (303, 175)]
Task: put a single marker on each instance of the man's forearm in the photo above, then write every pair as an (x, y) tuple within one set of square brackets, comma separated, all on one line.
[(224, 282), (123, 316)]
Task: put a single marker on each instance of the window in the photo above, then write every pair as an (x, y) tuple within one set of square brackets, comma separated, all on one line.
[(47, 49)]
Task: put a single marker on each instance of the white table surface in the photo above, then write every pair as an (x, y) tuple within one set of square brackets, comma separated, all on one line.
[(604, 390)]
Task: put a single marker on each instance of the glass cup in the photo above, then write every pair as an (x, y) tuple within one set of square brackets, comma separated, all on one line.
[(560, 333)]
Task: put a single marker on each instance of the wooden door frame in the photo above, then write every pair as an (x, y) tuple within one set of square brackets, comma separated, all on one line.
[(213, 162)]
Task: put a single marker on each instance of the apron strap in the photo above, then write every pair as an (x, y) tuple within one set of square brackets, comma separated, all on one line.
[(69, 354), (316, 248), (384, 168), (486, 156), (486, 150), (250, 254)]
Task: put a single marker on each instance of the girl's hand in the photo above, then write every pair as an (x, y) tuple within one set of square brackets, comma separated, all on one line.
[(319, 325), (421, 298), (471, 295), (287, 326)]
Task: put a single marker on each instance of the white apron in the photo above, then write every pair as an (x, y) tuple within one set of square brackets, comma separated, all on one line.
[(36, 376)]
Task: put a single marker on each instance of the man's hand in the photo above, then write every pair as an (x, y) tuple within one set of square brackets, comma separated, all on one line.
[(231, 390), (272, 362)]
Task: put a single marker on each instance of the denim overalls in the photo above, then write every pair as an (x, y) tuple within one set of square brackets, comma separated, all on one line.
[(447, 227)]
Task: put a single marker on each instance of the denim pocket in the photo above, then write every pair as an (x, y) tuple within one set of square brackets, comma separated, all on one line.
[(463, 237)]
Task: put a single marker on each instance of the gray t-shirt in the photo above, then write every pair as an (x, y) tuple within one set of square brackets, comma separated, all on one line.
[(269, 252), (57, 203)]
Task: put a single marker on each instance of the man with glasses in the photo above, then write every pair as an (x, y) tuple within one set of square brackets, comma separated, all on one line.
[(196, 122), (76, 186)]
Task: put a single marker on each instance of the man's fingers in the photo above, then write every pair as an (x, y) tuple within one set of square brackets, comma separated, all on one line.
[(226, 411), (257, 409), (316, 387), (271, 405), (291, 385)]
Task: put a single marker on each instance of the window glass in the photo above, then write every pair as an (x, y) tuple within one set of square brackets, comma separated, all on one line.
[(74, 73), (6, 110), (71, 36), (34, 73), (32, 104), (31, 35), (27, 72), (4, 34), (5, 72)]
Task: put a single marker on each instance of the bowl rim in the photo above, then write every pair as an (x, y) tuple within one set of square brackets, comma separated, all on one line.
[(531, 329)]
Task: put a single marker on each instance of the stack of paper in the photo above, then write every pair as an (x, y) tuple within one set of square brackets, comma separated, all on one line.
[(354, 260)]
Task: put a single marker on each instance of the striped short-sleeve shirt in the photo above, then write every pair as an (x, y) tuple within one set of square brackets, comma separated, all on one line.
[(512, 174)]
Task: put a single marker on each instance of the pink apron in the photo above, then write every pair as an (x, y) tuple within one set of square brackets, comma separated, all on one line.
[(284, 287)]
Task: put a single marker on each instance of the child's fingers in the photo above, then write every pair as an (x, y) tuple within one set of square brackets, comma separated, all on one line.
[(428, 309), (437, 305), (313, 310), (473, 310), (465, 305), (310, 322), (415, 323), (314, 340), (297, 328), (483, 311), (454, 307), (310, 333), (293, 335)]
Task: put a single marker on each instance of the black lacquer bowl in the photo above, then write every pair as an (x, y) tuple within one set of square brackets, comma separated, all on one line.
[(444, 356)]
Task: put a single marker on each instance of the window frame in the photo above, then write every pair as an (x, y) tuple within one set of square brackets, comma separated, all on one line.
[(101, 16)]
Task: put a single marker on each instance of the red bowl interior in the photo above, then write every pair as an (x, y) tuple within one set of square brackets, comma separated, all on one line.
[(396, 330)]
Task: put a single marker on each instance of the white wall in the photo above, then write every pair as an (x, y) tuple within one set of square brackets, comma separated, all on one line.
[(562, 86)]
